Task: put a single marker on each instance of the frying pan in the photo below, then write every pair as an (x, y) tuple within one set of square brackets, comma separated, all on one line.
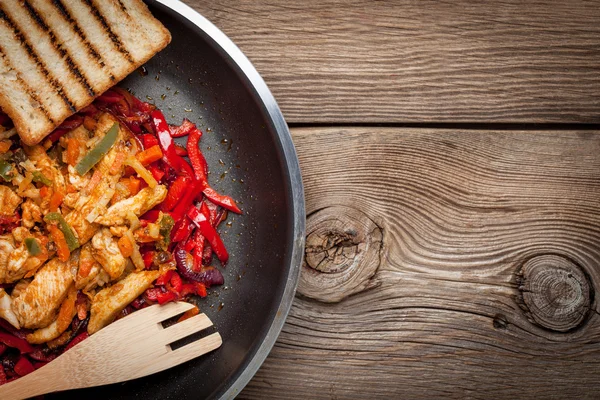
[(204, 77)]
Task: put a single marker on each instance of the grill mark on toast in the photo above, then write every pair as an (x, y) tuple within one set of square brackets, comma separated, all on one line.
[(123, 8), (28, 88), (89, 46), (36, 59), (60, 48), (107, 29)]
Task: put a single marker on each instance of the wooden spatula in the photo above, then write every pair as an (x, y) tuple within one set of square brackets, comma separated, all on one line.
[(129, 348)]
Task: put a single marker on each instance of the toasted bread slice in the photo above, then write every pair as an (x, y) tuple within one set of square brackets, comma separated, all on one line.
[(57, 56)]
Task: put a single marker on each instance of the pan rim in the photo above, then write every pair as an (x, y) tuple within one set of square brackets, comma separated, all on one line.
[(293, 175)]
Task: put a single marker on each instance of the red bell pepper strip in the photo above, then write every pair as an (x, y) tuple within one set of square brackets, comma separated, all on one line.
[(198, 239), (77, 339), (198, 250), (38, 364), (166, 297), (183, 129), (153, 293), (201, 289), (23, 366), (188, 245), (188, 200), (195, 155), (110, 97), (171, 281), (213, 211), (15, 342), (181, 151), (149, 140), (40, 355), (209, 233), (175, 283), (183, 231), (148, 258), (156, 172), (68, 125), (57, 134), (138, 303), (164, 278), (89, 111), (151, 215), (197, 288), (176, 192), (3, 377), (221, 200), (187, 289), (221, 216), (167, 145)]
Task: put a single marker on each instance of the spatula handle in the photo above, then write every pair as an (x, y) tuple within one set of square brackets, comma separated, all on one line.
[(47, 379), (34, 384)]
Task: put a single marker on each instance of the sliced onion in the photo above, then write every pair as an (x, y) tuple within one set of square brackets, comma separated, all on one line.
[(100, 205), (141, 171), (136, 256), (8, 133), (208, 276)]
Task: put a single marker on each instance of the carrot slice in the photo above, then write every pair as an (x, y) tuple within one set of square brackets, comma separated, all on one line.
[(94, 181), (56, 200), (72, 151), (45, 191), (189, 314), (85, 267), (62, 249), (89, 123), (117, 164), (149, 155), (125, 246), (134, 185), (5, 146)]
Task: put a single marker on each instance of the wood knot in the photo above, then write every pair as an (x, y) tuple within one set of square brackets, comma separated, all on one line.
[(342, 254), (555, 292)]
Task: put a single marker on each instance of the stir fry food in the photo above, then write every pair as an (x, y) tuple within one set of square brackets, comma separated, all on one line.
[(104, 217)]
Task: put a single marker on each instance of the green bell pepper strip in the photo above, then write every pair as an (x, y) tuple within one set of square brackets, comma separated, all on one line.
[(33, 246), (70, 237), (166, 224), (6, 170), (97, 153), (41, 178)]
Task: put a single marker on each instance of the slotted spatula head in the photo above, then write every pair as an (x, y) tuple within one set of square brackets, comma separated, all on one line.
[(129, 348)]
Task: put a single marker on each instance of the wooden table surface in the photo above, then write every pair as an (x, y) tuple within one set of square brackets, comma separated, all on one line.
[(450, 153)]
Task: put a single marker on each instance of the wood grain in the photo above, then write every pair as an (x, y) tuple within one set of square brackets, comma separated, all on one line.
[(339, 61), (461, 213)]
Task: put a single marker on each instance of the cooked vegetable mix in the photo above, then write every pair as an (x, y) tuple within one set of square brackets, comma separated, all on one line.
[(97, 153), (105, 217)]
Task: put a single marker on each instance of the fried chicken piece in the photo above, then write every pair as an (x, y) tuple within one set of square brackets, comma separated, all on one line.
[(32, 213), (36, 306), (139, 204), (109, 302), (106, 251), (9, 201), (57, 327), (6, 311), (15, 260)]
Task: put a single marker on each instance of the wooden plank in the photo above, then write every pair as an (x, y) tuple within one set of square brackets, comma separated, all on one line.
[(483, 285), (338, 61)]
